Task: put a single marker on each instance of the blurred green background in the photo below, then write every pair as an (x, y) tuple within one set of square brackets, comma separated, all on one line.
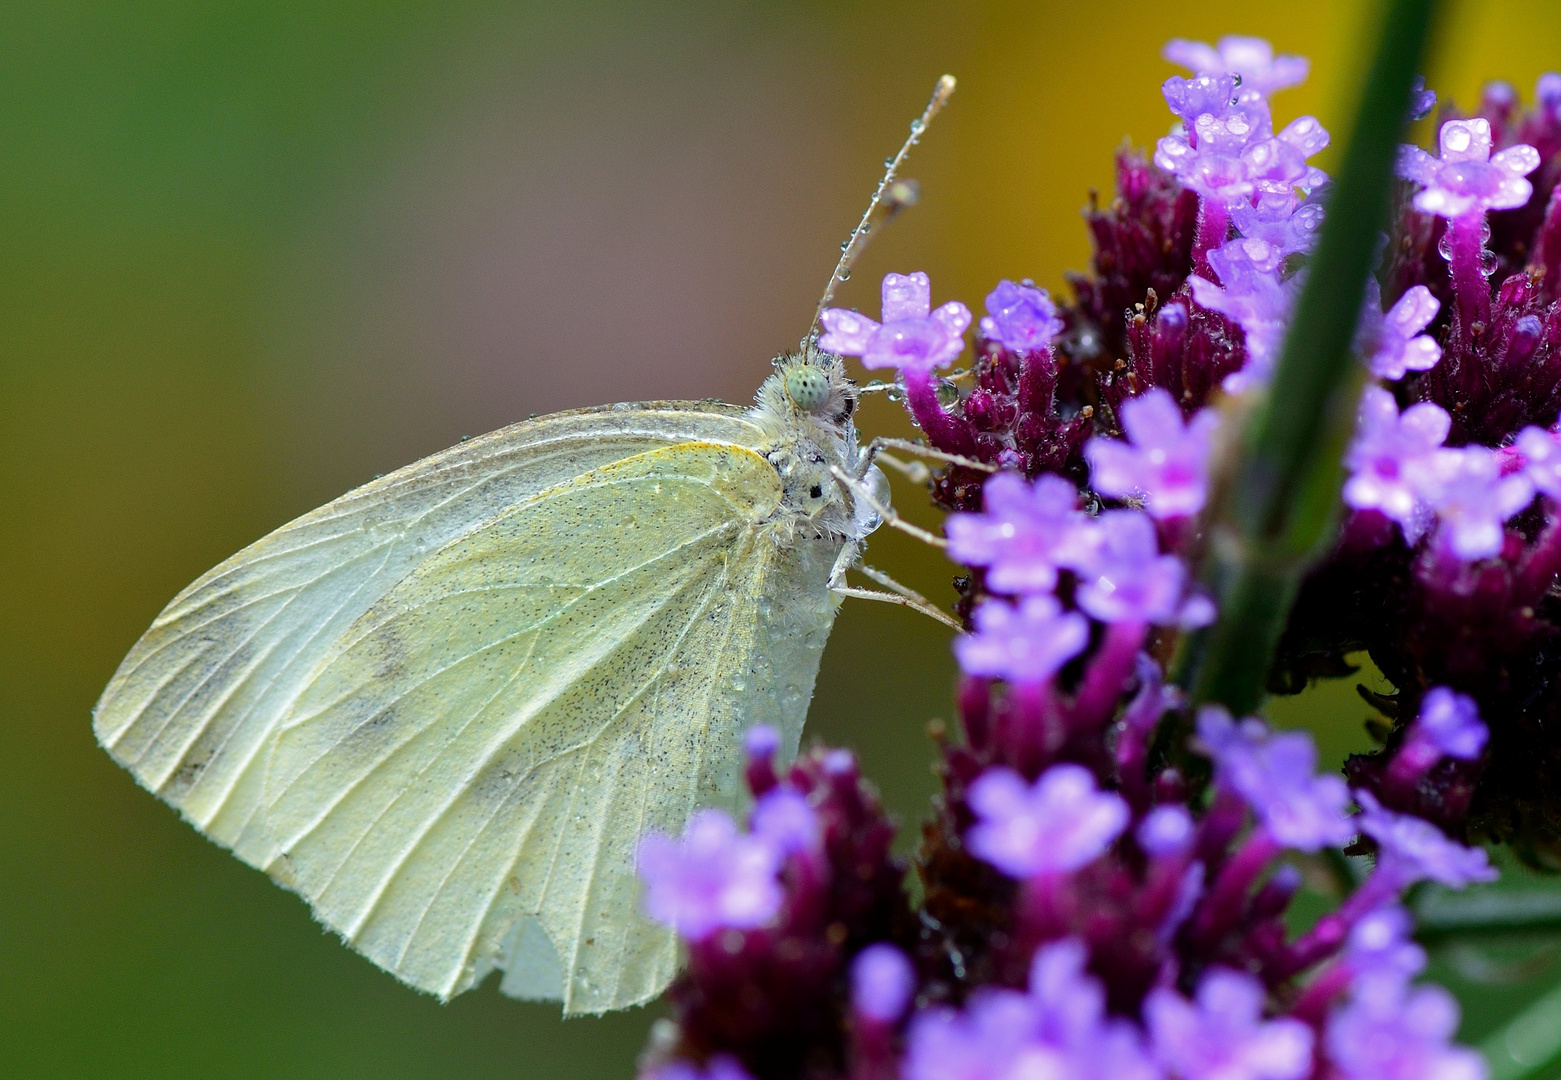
[(253, 253)]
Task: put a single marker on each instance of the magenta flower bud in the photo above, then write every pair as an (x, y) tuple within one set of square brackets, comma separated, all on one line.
[(1166, 831), (1451, 722), (882, 983), (784, 818)]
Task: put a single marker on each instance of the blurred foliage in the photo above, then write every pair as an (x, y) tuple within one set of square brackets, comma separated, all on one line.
[(257, 252)]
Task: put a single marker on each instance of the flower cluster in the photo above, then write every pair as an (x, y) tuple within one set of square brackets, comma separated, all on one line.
[(1108, 874)]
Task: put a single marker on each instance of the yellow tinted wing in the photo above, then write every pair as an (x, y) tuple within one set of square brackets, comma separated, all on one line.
[(193, 708), (464, 781)]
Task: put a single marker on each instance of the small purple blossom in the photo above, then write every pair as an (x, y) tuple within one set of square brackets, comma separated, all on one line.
[(1257, 299), (1394, 1032), (720, 1067), (1124, 578), (1541, 459), (882, 983), (1380, 946), (714, 877), (1451, 722), (1020, 317), (1421, 100), (1393, 342), (1473, 500), (1028, 643), (912, 336), (1391, 457), (1252, 58), (1166, 830), (1281, 223), (983, 1042), (1023, 533), (1467, 179), (783, 818), (1223, 1036), (1059, 823), (1276, 774), (1165, 461), (1411, 849)]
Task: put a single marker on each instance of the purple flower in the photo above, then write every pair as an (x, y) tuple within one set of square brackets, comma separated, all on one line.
[(1028, 643), (882, 982), (1380, 947), (1250, 57), (1223, 1036), (1393, 341), (1276, 775), (1473, 500), (1467, 179), (1541, 459), (1165, 462), (1059, 823), (714, 877), (1393, 1032), (1255, 298), (1547, 95), (1411, 849), (912, 336), (1058, 1031), (1281, 223), (1020, 317), (721, 1067), (1451, 722), (1124, 578), (1421, 100), (1392, 455), (1021, 534), (1166, 830), (1210, 152), (784, 818)]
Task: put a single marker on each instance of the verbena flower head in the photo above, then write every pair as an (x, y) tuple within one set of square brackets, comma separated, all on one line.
[(1252, 58), (1411, 849), (882, 983), (1020, 317), (1059, 823), (1026, 644), (1473, 500), (1276, 774), (1124, 578), (1394, 342), (1164, 463), (713, 878), (1451, 722), (1391, 458), (1024, 533), (1222, 1035), (1390, 1032), (912, 336), (1541, 459), (1466, 179)]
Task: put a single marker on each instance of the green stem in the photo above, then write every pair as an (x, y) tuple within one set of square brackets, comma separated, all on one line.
[(1441, 914), (1281, 504), (1526, 1047)]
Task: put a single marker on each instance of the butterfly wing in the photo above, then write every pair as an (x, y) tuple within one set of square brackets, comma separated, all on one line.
[(192, 709), (465, 778)]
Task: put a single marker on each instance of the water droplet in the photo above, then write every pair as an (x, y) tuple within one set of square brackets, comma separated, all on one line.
[(917, 126), (845, 245), (845, 273)]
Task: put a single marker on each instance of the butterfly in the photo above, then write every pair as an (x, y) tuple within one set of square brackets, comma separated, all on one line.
[(445, 707)]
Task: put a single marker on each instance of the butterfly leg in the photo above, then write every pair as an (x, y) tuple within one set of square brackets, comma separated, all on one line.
[(901, 594), (859, 490), (880, 443)]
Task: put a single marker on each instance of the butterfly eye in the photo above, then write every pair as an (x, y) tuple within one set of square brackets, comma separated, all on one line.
[(808, 388), (815, 492)]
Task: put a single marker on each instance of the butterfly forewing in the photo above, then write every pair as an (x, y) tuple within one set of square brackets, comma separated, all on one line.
[(454, 765)]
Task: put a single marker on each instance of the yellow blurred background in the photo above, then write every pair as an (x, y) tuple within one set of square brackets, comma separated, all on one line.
[(254, 253)]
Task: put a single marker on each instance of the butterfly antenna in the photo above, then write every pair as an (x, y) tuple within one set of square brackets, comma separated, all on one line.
[(893, 194)]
